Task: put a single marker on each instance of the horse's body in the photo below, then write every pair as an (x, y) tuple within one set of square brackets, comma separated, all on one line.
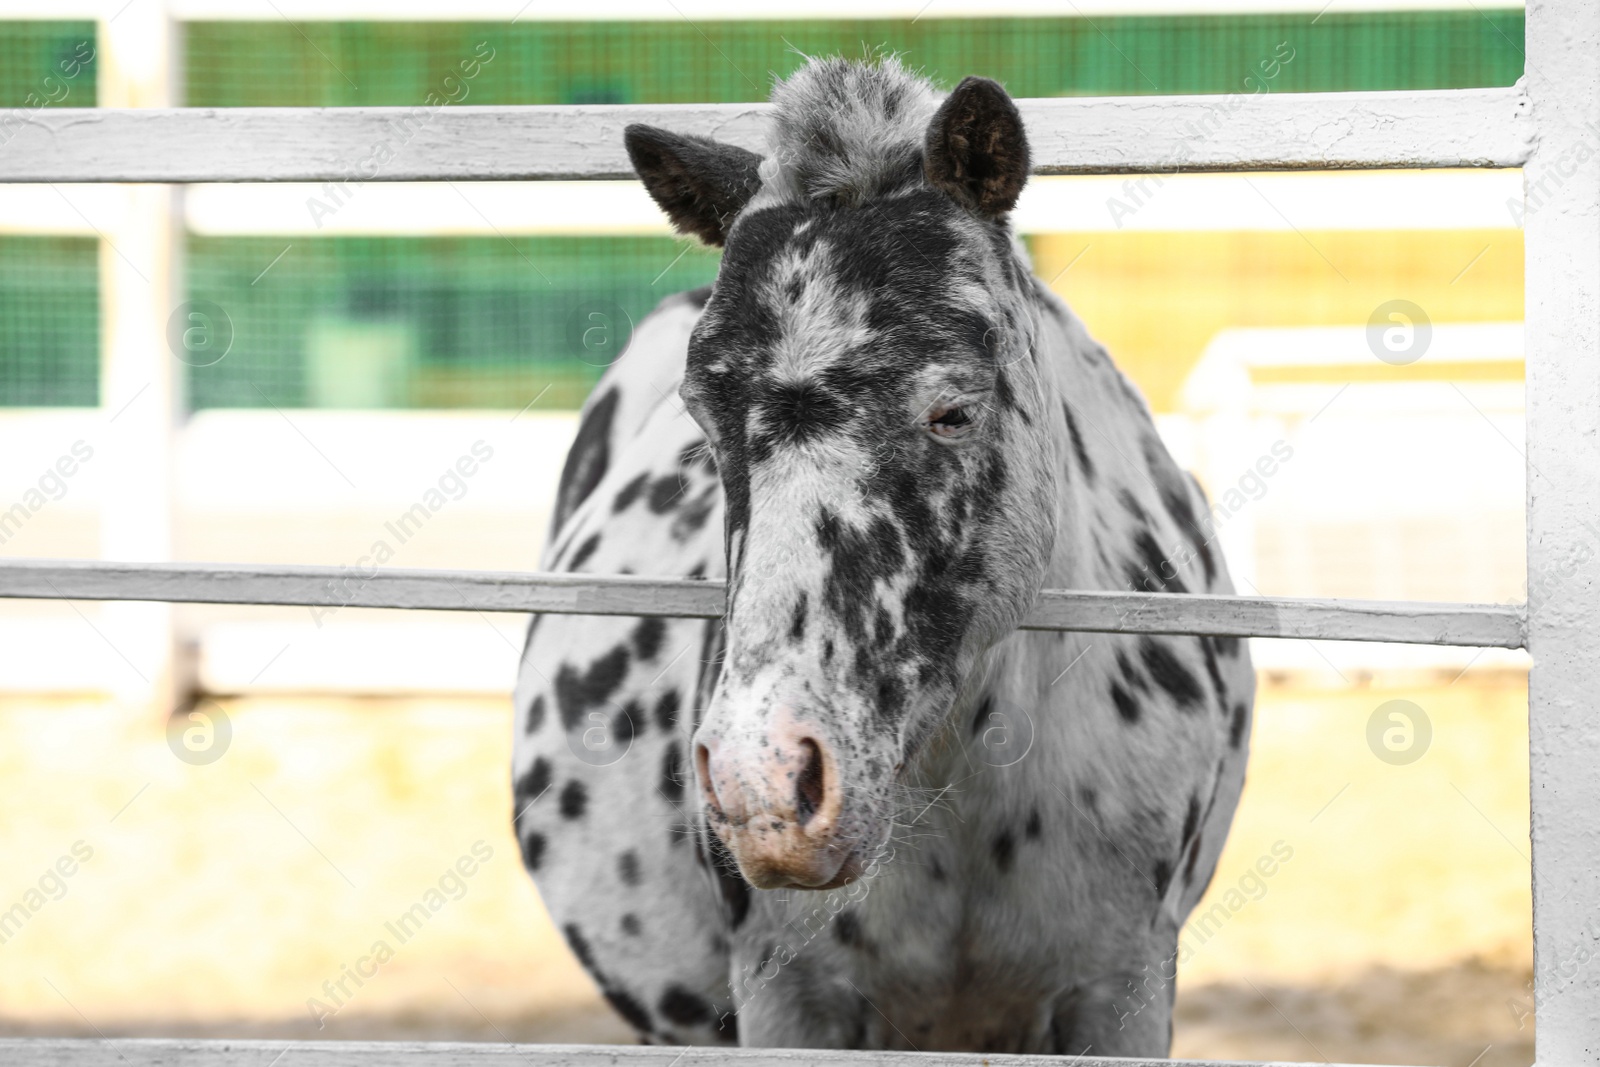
[(997, 850)]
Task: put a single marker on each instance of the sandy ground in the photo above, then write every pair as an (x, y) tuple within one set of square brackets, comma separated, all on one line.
[(217, 899)]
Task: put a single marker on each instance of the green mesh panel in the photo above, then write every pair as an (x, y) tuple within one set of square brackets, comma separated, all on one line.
[(460, 322), (49, 293), (49, 321), (671, 61), (46, 64)]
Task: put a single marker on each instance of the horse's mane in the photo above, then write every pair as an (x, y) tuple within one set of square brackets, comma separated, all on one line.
[(847, 130)]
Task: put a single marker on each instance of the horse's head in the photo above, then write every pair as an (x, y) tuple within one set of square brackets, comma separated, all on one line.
[(864, 375)]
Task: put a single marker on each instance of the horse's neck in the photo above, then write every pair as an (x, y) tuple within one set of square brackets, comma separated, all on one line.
[(1112, 423)]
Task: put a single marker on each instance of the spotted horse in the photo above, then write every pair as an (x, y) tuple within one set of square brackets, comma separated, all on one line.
[(864, 809)]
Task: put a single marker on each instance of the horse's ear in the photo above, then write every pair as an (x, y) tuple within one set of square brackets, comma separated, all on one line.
[(977, 150), (701, 184)]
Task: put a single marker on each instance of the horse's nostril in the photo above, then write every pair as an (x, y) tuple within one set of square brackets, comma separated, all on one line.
[(811, 784)]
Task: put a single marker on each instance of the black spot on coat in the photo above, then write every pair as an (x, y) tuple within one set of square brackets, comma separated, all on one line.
[(574, 799), (1076, 438), (577, 693), (532, 786), (647, 638), (1241, 715), (1126, 706), (665, 492), (685, 1008), (587, 459), (533, 851), (629, 1008), (629, 493), (585, 550), (667, 711), (535, 715), (1168, 672)]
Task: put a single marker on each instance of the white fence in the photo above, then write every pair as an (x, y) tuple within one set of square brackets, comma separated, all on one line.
[(1540, 125)]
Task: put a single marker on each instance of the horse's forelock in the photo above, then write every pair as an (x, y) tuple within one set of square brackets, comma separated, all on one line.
[(847, 130)]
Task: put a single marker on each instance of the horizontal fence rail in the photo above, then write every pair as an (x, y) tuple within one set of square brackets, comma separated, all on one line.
[(1471, 625), (1138, 134), (112, 1052)]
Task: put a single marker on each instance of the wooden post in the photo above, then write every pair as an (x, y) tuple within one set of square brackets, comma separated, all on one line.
[(140, 380), (1562, 182)]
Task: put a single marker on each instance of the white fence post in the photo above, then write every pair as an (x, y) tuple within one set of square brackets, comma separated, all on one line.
[(1563, 358), (140, 381)]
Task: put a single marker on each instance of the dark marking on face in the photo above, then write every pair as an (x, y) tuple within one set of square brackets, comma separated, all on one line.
[(630, 924), (629, 493), (647, 638), (1004, 850), (1241, 715), (574, 799), (667, 711), (587, 460), (628, 867), (858, 559), (585, 550), (797, 623), (1127, 707), (1168, 672), (535, 715), (685, 1008), (1076, 438), (793, 413), (577, 693)]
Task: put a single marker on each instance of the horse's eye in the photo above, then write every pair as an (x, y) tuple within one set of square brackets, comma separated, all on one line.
[(948, 421)]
